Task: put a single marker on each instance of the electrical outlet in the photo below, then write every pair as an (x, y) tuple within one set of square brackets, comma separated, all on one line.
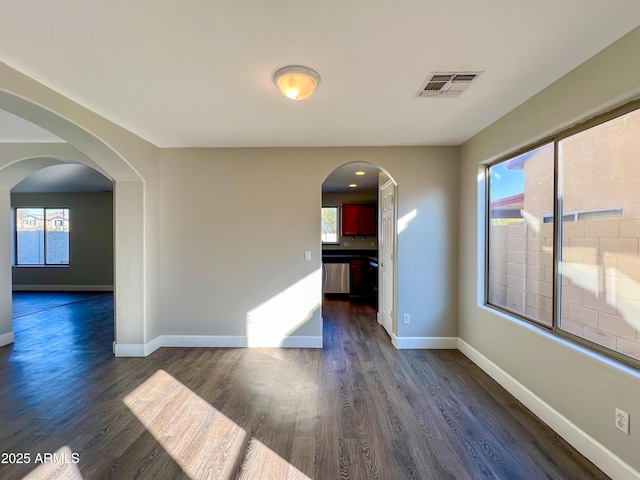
[(622, 420), (406, 319)]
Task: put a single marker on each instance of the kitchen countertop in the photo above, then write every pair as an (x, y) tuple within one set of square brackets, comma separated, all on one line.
[(337, 255)]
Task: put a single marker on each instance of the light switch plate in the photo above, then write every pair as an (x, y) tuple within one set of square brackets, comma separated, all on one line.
[(307, 255)]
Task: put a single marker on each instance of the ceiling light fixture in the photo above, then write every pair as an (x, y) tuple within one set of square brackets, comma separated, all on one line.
[(352, 185), (360, 172), (296, 82)]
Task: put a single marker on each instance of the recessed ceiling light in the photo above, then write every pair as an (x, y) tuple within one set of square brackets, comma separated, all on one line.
[(352, 185), (360, 172)]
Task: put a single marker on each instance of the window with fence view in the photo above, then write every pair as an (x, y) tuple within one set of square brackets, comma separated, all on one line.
[(42, 236), (597, 290)]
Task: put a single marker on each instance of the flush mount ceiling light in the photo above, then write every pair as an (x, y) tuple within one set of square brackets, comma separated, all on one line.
[(296, 82), (352, 185), (360, 172)]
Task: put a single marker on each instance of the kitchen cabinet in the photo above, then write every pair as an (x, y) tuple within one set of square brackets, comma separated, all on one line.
[(350, 219), (359, 220), (357, 284), (359, 273)]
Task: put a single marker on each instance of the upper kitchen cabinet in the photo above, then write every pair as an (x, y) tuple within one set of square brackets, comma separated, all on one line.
[(368, 220), (359, 220)]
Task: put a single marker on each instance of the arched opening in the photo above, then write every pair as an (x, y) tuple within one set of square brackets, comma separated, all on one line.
[(359, 242), (62, 260), (72, 125)]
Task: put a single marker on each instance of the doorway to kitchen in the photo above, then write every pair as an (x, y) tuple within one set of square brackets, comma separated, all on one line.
[(359, 241)]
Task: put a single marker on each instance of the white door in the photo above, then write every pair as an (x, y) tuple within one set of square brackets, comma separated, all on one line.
[(387, 243)]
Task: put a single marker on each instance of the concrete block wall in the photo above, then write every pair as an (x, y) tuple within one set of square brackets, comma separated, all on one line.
[(600, 277)]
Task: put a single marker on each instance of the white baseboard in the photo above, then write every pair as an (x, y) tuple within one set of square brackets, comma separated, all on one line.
[(129, 349), (153, 345), (597, 453), (218, 341), (424, 343), (6, 339), (63, 288), (215, 341), (137, 349)]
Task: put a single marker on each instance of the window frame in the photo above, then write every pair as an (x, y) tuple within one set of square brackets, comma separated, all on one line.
[(487, 229), (555, 139), (15, 238), (338, 227)]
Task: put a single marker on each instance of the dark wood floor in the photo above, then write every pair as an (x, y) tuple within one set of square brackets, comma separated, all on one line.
[(357, 409)]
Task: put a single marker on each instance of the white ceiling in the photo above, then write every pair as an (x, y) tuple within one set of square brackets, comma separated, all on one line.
[(197, 73), (341, 177)]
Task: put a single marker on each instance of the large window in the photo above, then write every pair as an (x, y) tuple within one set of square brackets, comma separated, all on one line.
[(581, 277), (42, 236), (329, 224)]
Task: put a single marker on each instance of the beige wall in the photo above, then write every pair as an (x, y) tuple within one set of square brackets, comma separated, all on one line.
[(236, 222), (579, 386)]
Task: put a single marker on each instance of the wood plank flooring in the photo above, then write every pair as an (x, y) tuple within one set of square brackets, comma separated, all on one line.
[(356, 409)]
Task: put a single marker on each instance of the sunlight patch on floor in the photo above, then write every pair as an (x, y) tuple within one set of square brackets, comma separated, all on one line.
[(200, 439), (60, 467), (262, 463)]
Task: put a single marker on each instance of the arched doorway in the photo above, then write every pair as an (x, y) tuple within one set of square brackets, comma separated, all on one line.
[(359, 238), (62, 264), (48, 198), (25, 98)]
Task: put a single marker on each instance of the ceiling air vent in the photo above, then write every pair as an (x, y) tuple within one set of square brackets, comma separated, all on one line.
[(447, 84)]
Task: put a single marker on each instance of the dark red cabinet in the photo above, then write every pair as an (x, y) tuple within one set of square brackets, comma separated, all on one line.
[(350, 219), (356, 277), (359, 220), (368, 214)]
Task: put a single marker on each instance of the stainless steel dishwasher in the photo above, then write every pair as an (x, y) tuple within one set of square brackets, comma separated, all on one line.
[(336, 277)]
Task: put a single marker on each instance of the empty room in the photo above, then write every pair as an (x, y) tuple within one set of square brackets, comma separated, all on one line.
[(320, 240)]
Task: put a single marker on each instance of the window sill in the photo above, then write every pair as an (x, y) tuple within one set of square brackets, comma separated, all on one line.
[(40, 266), (566, 342)]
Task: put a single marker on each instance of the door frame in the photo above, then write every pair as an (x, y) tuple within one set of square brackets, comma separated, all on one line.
[(390, 180), (394, 255)]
